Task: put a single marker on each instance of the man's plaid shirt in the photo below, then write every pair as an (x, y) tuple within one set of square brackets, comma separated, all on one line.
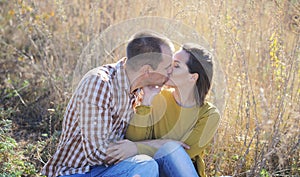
[(97, 114)]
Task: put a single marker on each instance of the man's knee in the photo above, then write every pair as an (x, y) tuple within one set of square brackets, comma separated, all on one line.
[(141, 158), (145, 162), (151, 164)]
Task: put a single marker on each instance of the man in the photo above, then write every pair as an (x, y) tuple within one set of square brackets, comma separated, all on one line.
[(100, 108)]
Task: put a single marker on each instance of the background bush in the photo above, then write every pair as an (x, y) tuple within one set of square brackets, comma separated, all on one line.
[(257, 43)]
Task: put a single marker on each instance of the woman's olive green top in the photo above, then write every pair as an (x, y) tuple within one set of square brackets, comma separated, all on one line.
[(165, 119)]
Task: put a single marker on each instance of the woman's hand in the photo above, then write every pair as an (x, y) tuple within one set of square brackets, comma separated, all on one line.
[(120, 151), (148, 94)]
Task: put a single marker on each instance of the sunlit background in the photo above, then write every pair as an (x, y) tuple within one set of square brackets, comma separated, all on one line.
[(258, 48)]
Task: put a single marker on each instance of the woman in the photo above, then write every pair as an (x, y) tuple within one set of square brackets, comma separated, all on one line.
[(180, 114)]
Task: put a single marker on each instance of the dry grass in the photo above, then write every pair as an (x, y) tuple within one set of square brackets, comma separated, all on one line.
[(257, 44)]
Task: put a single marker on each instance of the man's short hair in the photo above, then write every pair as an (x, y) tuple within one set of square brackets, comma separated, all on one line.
[(144, 48)]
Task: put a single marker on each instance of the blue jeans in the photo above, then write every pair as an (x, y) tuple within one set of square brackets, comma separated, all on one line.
[(136, 166), (173, 161)]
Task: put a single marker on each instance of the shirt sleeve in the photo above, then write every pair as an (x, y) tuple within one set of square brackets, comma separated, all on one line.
[(140, 127), (95, 118), (146, 149), (203, 132)]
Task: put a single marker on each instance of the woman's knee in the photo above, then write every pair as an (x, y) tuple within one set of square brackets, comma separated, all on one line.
[(169, 148)]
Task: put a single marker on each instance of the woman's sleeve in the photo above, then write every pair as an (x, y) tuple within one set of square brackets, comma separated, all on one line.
[(203, 132), (140, 127)]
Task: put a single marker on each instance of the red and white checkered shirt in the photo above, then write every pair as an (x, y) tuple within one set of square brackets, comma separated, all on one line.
[(97, 114)]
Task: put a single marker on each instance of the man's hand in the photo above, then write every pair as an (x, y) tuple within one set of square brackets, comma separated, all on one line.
[(120, 151)]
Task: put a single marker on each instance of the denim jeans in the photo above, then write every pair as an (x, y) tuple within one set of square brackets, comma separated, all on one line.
[(136, 166), (173, 161)]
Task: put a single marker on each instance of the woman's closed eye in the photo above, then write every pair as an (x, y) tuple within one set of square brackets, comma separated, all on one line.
[(176, 65)]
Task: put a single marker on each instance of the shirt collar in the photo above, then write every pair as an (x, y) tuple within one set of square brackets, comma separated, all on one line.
[(122, 77)]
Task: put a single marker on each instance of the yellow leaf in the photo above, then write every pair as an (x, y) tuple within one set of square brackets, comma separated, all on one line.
[(21, 59), (11, 12)]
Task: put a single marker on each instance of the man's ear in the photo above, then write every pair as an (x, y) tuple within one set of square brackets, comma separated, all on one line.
[(194, 76)]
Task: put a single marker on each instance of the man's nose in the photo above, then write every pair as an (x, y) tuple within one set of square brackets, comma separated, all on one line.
[(170, 70)]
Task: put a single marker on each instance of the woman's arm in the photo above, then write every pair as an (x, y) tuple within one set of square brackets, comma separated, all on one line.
[(140, 126), (203, 131)]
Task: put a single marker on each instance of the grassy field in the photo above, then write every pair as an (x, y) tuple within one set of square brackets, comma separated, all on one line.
[(258, 48)]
